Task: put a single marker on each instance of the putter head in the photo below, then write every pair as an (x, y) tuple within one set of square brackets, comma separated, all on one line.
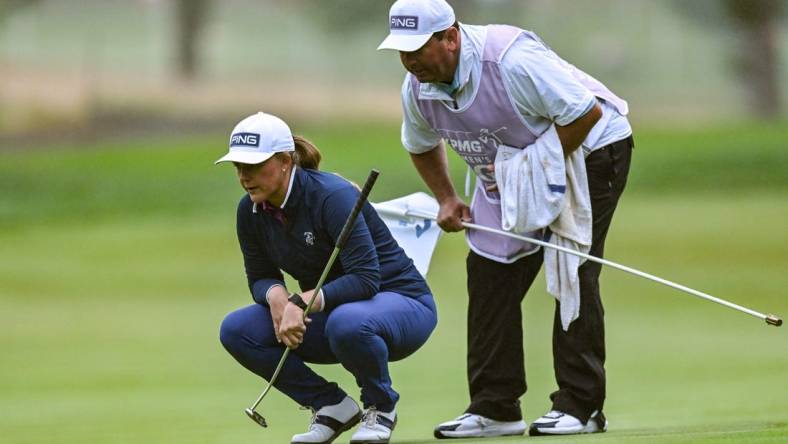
[(773, 320), (256, 417)]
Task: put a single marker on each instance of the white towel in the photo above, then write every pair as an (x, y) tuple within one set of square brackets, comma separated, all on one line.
[(540, 188)]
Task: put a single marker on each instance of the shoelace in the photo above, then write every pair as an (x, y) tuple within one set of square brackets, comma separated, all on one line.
[(370, 418), (313, 418)]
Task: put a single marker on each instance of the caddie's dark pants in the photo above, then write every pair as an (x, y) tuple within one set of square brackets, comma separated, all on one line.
[(496, 372)]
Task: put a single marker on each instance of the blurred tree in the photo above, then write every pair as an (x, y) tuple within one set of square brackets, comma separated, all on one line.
[(7, 7), (757, 56), (190, 17), (483, 12), (346, 16)]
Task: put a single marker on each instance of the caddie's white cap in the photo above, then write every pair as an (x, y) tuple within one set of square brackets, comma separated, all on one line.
[(258, 137), (412, 23)]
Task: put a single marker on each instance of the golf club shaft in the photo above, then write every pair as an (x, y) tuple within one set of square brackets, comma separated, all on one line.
[(770, 318), (346, 229)]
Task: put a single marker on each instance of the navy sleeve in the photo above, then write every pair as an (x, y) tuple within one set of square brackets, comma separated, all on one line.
[(359, 258), (261, 272)]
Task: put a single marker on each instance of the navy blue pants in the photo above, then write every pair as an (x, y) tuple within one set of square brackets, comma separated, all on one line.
[(363, 336)]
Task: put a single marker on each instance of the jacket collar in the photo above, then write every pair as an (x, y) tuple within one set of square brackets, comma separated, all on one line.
[(295, 191)]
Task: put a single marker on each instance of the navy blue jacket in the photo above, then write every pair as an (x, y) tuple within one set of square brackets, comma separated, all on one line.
[(316, 209)]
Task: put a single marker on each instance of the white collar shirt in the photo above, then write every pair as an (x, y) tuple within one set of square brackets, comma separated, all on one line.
[(542, 90)]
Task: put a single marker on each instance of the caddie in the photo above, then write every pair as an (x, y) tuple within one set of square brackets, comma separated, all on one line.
[(478, 88)]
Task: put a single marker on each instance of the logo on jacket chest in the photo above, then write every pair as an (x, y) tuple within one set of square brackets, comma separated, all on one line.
[(309, 238)]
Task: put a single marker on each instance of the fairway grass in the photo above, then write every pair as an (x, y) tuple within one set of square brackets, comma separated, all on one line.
[(119, 261), (110, 333)]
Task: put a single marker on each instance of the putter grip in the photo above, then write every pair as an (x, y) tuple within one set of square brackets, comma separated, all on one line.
[(373, 176)]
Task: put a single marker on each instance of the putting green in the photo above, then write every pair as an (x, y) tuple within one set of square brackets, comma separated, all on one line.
[(110, 333), (117, 266)]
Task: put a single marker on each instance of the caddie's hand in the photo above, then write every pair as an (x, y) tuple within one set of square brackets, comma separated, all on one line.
[(277, 301), (292, 327), (453, 212)]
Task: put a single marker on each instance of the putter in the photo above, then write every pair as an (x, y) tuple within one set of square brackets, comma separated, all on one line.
[(770, 319), (344, 234)]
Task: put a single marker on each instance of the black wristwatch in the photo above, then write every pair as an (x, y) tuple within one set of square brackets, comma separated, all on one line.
[(295, 298)]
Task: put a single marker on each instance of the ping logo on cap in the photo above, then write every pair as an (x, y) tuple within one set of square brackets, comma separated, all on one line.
[(245, 139), (404, 22)]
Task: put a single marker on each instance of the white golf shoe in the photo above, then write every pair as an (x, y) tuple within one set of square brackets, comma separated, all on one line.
[(560, 423), (469, 425), (375, 428), (329, 422)]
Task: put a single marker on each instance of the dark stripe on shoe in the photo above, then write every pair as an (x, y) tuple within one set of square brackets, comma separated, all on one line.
[(534, 430), (385, 422), (335, 425), (332, 423), (438, 432), (448, 428)]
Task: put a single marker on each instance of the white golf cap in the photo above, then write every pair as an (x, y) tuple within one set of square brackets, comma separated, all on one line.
[(258, 137), (412, 23)]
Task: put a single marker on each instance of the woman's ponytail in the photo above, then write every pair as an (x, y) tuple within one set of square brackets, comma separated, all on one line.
[(306, 154)]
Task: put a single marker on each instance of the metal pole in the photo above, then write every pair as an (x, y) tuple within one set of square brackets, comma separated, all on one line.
[(769, 318)]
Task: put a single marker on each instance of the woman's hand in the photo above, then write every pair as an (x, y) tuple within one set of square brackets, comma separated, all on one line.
[(292, 327), (317, 305), (277, 301)]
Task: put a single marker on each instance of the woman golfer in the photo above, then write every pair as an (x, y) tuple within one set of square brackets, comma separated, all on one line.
[(374, 307)]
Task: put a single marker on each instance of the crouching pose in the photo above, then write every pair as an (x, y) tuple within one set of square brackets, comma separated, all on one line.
[(374, 308)]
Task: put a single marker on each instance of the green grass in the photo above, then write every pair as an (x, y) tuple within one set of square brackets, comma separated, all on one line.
[(145, 177), (118, 262)]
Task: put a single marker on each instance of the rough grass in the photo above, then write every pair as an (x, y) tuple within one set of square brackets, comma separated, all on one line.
[(176, 175)]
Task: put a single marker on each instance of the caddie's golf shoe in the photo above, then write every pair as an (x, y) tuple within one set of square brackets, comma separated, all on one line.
[(560, 423), (329, 422), (469, 425)]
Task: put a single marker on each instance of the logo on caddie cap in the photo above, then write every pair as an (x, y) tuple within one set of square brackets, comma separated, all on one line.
[(404, 22), (412, 23)]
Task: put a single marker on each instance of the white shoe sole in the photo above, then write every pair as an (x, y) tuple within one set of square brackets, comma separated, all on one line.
[(591, 427), (486, 432), (344, 428)]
